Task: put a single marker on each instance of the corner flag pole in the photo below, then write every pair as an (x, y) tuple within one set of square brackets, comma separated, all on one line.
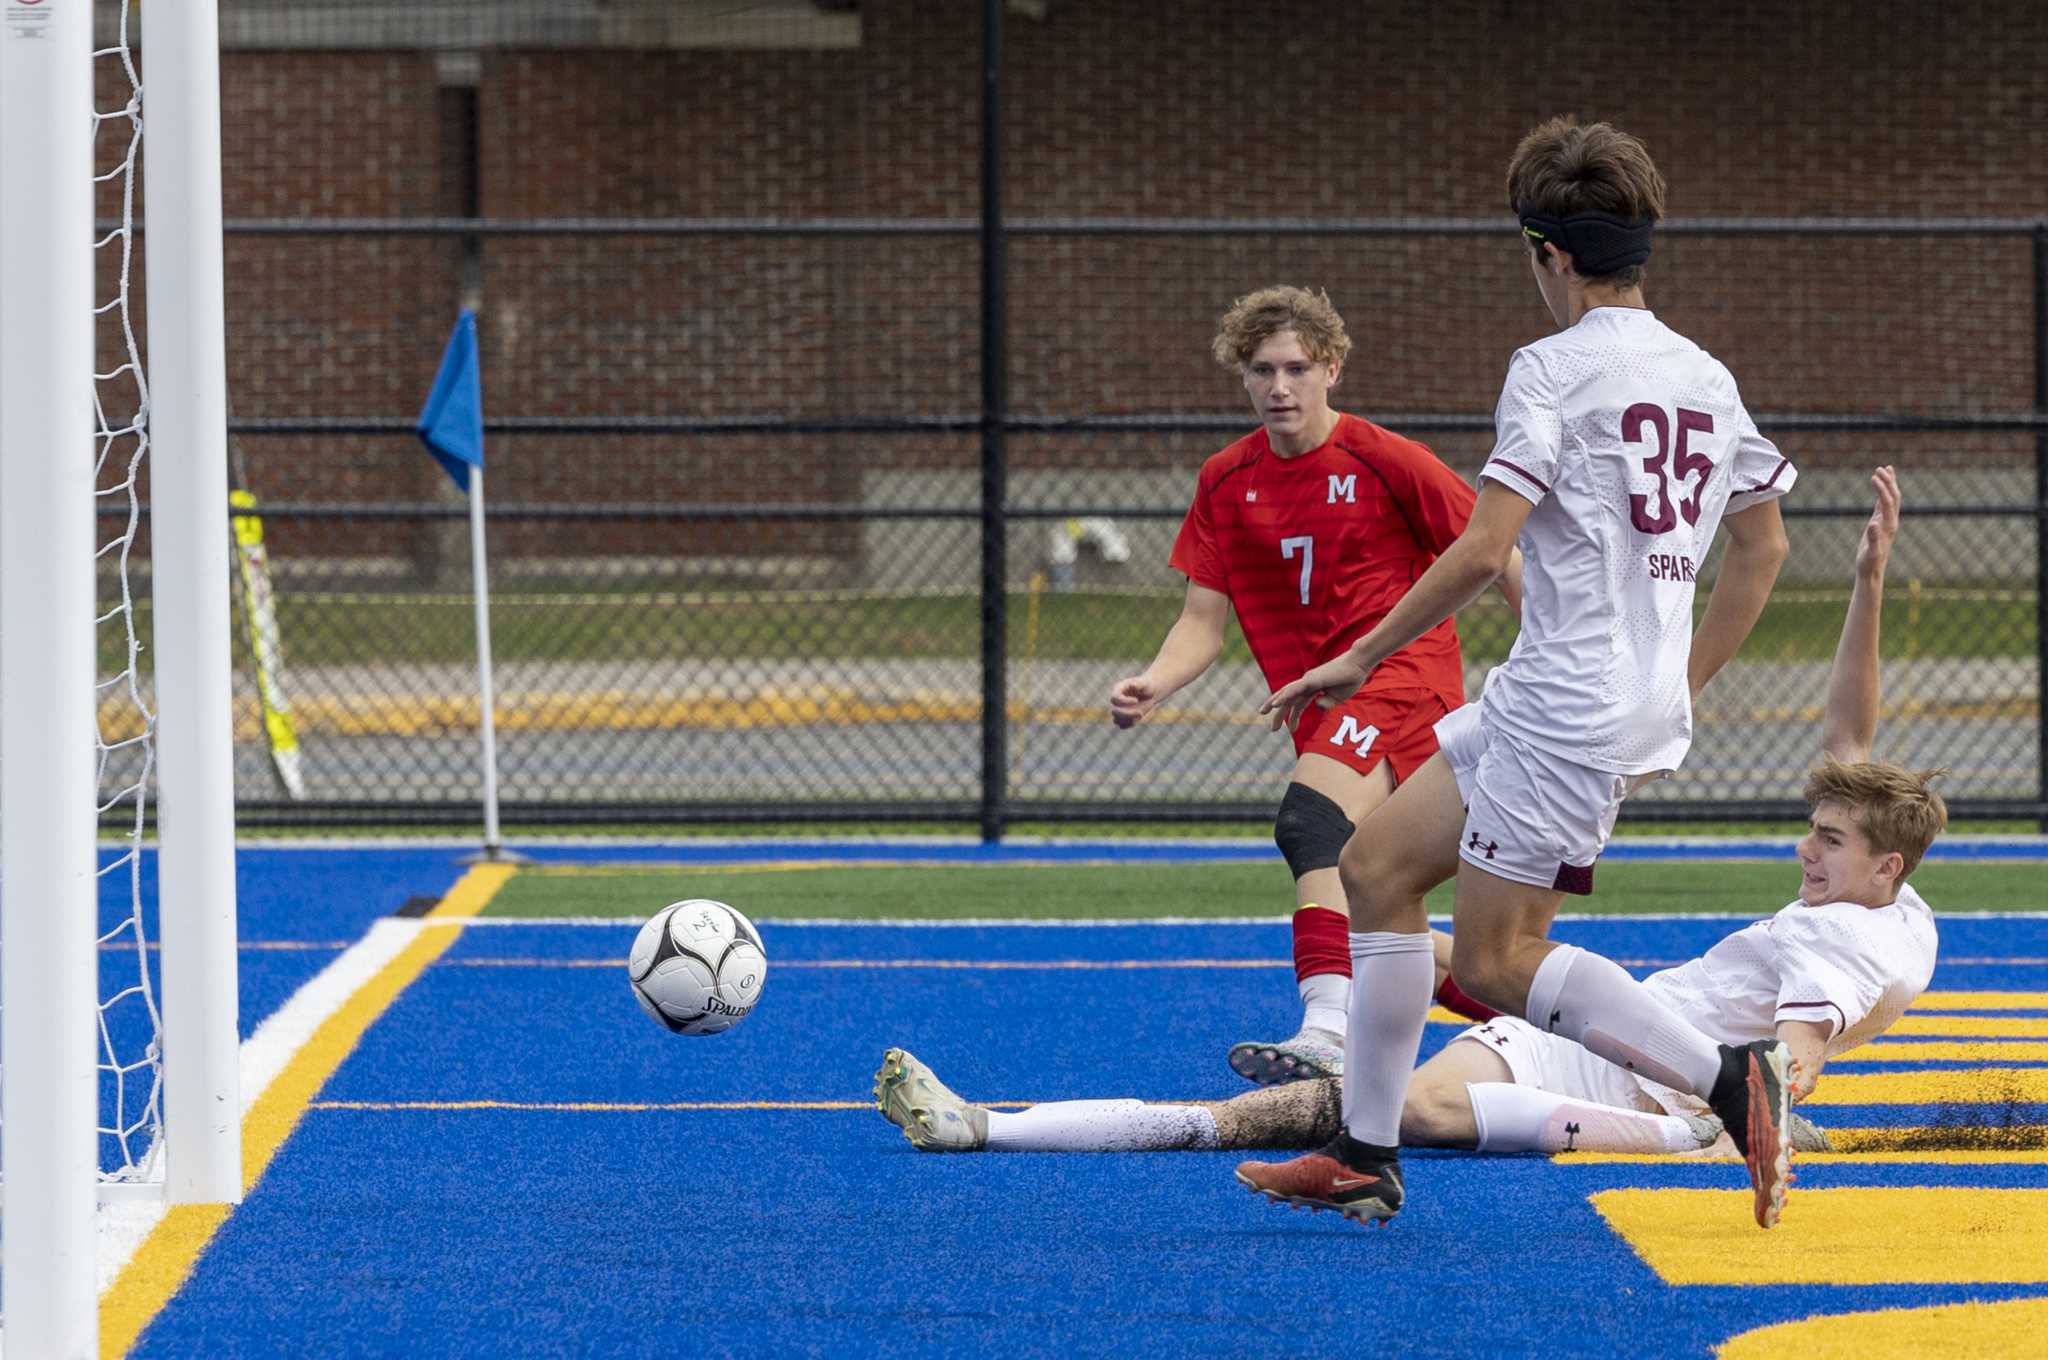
[(451, 425), (487, 726)]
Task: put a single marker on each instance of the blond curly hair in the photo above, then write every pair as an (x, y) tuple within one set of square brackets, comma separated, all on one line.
[(1257, 317)]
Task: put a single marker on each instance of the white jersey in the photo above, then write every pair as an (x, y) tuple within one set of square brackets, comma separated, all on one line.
[(1631, 442), (1851, 967)]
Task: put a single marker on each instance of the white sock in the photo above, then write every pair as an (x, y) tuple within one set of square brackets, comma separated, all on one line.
[(1102, 1126), (1392, 976), (1515, 1118), (1325, 999), (1593, 1001)]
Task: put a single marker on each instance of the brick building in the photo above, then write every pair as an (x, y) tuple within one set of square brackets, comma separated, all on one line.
[(1114, 108)]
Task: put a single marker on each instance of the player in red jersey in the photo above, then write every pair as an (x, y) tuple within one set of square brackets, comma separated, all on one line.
[(1311, 527)]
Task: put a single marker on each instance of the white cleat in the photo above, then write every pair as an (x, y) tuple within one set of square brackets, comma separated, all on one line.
[(1311, 1053), (1707, 1131), (931, 1116), (1807, 1136)]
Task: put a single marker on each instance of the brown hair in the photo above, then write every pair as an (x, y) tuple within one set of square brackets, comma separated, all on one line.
[(1895, 808), (1257, 317), (1563, 167)]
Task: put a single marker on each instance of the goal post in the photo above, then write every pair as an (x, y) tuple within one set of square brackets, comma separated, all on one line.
[(49, 984), (104, 1094), (192, 607)]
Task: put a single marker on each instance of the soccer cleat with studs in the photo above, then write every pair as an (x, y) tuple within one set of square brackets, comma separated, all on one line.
[(1348, 1177), (1311, 1053), (1808, 1136), (1705, 1129), (1754, 1102), (931, 1116)]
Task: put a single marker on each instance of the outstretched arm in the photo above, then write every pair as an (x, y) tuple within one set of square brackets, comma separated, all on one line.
[(1475, 561), (1756, 549), (1849, 723), (1191, 646)]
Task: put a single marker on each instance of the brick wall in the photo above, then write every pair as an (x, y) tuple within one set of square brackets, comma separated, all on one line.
[(1115, 107)]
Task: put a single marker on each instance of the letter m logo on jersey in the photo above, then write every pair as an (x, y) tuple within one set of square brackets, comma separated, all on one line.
[(1345, 486), (1349, 733)]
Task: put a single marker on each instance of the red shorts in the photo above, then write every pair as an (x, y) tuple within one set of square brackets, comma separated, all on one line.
[(1394, 725)]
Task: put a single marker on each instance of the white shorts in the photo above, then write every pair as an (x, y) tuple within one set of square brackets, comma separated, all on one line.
[(1530, 817), (1561, 1067)]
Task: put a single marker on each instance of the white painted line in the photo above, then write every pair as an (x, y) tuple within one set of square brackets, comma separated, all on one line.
[(1096, 923), (123, 1224)]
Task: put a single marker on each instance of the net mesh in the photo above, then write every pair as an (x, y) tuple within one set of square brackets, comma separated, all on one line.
[(131, 1073)]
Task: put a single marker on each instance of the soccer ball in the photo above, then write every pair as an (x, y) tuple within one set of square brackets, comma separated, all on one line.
[(697, 967)]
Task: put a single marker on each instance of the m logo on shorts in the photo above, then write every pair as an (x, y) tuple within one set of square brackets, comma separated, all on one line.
[(1476, 844), (1349, 733), (1345, 486)]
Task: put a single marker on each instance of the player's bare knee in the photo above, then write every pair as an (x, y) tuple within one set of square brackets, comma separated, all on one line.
[(1377, 883), (1437, 1114), (1491, 977)]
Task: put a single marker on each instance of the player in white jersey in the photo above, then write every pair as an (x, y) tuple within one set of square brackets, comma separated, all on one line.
[(1620, 448), (1832, 970)]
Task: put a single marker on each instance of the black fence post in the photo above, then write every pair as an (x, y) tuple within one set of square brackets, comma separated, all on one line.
[(2041, 516), (995, 707)]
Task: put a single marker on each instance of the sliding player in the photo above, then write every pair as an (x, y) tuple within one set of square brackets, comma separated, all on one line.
[(1311, 527), (1619, 448), (1830, 971)]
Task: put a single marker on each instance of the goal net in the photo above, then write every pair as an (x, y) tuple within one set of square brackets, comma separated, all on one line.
[(124, 719), (118, 1043)]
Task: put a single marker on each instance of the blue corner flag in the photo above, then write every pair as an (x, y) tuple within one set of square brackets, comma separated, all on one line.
[(452, 422)]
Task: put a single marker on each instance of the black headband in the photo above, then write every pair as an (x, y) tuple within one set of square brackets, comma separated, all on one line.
[(1599, 243)]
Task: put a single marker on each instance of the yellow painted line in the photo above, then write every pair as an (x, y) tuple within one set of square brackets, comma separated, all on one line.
[(1965, 1136), (1973, 1026), (1930, 1157), (1949, 1331), (1878, 1235), (164, 1261), (1963, 1144), (620, 710), (621, 1107), (1982, 1001), (1980, 1085), (1891, 1051), (407, 715)]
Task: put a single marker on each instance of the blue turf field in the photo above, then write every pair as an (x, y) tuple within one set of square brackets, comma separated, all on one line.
[(777, 1231)]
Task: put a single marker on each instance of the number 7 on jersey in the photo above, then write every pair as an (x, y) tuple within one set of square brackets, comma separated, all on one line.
[(1307, 544)]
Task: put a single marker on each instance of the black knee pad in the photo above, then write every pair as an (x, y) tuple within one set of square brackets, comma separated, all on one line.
[(1310, 830)]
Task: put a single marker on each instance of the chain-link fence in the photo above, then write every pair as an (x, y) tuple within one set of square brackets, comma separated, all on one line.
[(834, 459)]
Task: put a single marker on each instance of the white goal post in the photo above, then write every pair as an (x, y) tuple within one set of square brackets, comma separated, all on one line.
[(49, 974), (189, 535), (55, 437)]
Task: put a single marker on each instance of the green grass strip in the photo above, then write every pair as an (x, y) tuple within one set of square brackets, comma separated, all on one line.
[(1115, 892)]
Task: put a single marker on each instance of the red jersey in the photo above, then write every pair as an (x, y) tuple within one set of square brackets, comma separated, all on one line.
[(1314, 550)]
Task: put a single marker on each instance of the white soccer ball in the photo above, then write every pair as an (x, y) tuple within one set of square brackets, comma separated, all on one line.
[(697, 967)]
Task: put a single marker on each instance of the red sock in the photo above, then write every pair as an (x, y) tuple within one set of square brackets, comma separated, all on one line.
[(1322, 943), (1452, 998)]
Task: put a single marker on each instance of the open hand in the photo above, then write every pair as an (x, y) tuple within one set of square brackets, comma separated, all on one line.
[(1882, 527), (1326, 686)]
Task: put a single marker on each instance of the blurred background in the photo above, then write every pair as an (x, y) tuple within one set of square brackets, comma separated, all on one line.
[(826, 484)]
